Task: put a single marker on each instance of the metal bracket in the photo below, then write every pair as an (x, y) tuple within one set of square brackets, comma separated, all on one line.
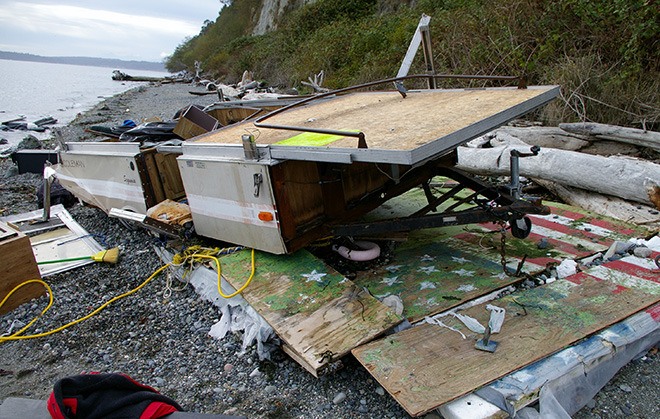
[(249, 147), (258, 180), (515, 188)]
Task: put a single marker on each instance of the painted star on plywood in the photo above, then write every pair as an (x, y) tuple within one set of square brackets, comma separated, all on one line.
[(390, 281), (314, 276), (393, 268), (428, 270), (463, 272), (426, 285)]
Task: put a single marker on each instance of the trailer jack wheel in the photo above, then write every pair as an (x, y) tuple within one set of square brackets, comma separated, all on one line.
[(520, 227)]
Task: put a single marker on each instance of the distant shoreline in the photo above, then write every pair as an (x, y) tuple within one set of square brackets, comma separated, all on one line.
[(86, 61)]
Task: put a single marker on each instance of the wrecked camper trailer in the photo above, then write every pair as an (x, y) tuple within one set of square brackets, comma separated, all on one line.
[(135, 176), (119, 175), (314, 168)]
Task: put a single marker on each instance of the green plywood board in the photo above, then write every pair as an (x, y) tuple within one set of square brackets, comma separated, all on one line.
[(430, 276), (428, 365), (319, 314)]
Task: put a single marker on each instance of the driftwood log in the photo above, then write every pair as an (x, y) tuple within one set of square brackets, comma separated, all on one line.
[(605, 205), (627, 178), (543, 137), (650, 139)]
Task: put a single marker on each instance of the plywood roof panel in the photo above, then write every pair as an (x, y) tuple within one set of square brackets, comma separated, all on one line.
[(393, 123)]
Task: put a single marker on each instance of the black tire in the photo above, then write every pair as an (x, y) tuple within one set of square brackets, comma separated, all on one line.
[(520, 227)]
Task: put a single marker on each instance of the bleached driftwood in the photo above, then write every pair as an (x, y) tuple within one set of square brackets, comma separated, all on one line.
[(543, 137), (546, 137), (228, 91), (634, 136), (627, 178), (605, 205), (316, 82)]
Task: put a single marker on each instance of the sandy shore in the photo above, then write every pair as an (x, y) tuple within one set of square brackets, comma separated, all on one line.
[(163, 340)]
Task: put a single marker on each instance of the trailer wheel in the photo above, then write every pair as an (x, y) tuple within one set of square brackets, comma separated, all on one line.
[(520, 227)]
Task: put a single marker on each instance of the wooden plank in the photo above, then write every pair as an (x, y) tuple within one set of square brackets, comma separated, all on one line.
[(427, 366), (154, 179), (389, 121), (297, 191), (17, 265), (317, 312), (169, 175)]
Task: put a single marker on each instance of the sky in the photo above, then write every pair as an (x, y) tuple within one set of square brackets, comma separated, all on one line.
[(146, 30)]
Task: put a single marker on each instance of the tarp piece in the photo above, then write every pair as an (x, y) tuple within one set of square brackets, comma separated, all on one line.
[(237, 314)]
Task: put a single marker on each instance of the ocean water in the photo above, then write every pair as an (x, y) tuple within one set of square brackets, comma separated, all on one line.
[(37, 90)]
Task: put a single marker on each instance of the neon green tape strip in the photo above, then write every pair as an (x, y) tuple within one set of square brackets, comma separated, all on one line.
[(312, 139)]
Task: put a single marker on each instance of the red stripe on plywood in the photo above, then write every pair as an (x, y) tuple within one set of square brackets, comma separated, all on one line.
[(563, 228), (654, 312), (597, 222), (634, 270), (579, 278), (558, 245)]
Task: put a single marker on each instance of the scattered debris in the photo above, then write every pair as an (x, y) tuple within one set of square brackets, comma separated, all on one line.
[(59, 238)]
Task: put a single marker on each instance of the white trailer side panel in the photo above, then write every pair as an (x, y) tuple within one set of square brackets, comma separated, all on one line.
[(104, 175), (226, 202)]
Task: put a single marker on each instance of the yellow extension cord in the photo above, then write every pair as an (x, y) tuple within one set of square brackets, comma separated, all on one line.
[(192, 258)]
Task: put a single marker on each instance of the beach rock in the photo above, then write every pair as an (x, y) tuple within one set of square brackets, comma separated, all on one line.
[(30, 142), (542, 244), (642, 252), (626, 388), (339, 397)]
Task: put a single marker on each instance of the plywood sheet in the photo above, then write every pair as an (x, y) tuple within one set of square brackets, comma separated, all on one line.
[(437, 269), (430, 277), (566, 233), (17, 265), (319, 314), (423, 124), (427, 366)]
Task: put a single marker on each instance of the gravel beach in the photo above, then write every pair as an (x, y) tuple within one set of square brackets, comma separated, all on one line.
[(162, 340)]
